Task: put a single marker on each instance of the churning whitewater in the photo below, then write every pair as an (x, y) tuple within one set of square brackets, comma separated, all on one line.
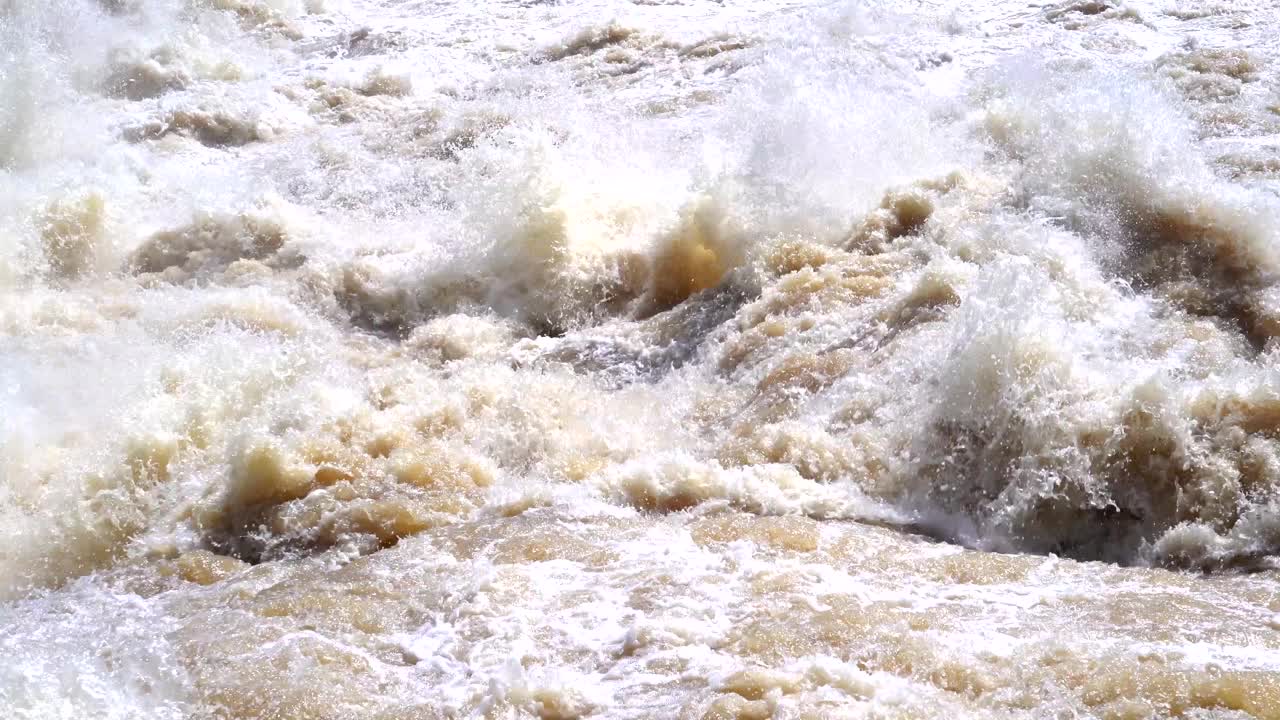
[(689, 359)]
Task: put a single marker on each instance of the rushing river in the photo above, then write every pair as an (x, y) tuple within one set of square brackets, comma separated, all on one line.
[(689, 359)]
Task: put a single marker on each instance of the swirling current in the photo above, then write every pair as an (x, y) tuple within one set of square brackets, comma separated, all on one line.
[(689, 359)]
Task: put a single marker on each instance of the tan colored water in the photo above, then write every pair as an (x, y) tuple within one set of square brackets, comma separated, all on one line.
[(668, 360)]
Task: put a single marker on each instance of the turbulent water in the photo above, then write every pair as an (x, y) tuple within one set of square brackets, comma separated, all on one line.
[(413, 359)]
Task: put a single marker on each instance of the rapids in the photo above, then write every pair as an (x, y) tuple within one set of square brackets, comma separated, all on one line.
[(653, 359)]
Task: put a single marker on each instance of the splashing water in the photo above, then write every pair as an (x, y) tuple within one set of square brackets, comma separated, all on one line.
[(780, 359)]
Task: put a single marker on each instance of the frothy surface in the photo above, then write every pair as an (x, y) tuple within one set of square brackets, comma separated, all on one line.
[(603, 359)]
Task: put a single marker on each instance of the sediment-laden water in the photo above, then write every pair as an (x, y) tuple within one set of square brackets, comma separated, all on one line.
[(666, 359)]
